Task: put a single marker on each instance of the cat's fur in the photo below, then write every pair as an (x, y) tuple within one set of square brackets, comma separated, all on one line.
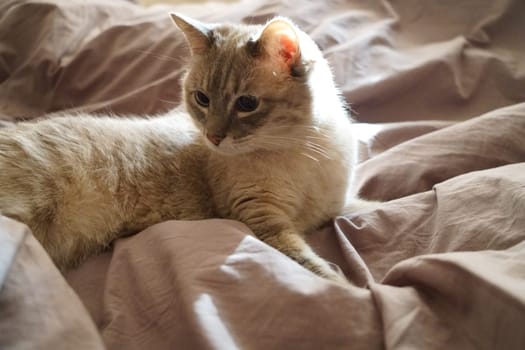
[(80, 181)]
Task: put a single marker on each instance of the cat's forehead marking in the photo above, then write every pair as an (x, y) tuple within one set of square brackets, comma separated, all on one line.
[(229, 65), (221, 72)]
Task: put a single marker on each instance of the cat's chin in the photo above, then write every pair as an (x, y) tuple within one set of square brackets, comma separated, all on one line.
[(228, 150)]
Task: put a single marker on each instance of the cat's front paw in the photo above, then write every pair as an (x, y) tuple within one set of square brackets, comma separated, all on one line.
[(329, 271), (335, 276)]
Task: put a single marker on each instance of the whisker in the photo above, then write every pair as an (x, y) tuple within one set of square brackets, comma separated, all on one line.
[(310, 157), (272, 145), (168, 101), (290, 141), (314, 130)]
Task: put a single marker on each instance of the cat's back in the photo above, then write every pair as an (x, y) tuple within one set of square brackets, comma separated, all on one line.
[(84, 140), (95, 173)]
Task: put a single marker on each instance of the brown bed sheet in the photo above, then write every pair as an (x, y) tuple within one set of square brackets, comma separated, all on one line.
[(394, 60), (443, 268), (38, 309), (439, 266)]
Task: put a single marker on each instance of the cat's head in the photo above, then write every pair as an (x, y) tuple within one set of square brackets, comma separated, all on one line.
[(247, 86)]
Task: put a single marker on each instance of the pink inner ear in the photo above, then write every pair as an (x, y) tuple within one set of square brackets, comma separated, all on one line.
[(288, 48), (281, 42)]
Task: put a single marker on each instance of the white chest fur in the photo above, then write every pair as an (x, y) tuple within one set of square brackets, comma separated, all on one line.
[(308, 187)]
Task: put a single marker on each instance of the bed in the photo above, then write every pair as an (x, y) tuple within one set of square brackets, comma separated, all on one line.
[(437, 90)]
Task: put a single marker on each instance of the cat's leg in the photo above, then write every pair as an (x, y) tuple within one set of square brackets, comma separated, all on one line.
[(270, 218), (67, 240), (273, 227), (294, 246), (66, 212)]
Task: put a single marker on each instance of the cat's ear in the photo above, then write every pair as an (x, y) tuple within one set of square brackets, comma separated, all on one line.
[(281, 42), (198, 35)]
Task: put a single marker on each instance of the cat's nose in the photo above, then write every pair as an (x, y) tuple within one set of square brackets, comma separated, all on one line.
[(215, 139)]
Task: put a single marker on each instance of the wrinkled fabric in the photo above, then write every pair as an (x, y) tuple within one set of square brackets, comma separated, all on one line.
[(394, 60), (440, 268), (438, 265), (38, 309)]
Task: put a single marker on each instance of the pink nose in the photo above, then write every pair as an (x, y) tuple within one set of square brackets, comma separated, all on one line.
[(214, 139)]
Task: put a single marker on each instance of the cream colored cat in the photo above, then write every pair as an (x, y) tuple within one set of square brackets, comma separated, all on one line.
[(266, 141)]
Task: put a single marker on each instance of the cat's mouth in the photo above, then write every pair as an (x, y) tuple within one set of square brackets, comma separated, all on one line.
[(226, 146)]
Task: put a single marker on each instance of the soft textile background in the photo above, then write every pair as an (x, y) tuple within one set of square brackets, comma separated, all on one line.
[(440, 266), (394, 60)]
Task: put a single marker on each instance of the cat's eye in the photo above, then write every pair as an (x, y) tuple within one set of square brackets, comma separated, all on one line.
[(246, 103), (201, 98)]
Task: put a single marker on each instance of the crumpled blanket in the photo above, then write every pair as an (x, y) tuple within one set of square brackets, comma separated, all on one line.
[(437, 89)]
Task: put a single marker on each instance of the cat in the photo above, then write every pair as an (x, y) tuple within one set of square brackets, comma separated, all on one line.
[(266, 140)]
